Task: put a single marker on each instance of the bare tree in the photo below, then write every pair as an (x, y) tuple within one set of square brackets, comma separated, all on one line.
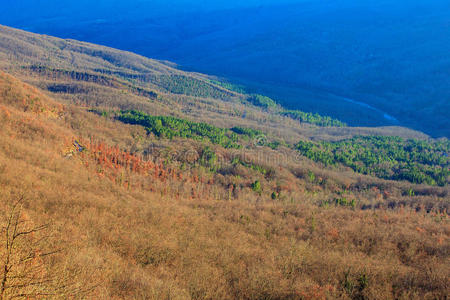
[(24, 273)]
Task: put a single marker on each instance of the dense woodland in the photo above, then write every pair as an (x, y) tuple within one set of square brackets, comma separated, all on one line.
[(169, 127), (386, 157), (180, 84), (311, 118)]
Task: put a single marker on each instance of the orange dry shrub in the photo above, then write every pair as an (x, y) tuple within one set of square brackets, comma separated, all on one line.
[(333, 234), (27, 98), (5, 111), (130, 170)]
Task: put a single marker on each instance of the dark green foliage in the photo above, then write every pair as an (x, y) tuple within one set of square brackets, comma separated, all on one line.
[(341, 202), (311, 176), (209, 159), (250, 165), (354, 287), (247, 131), (262, 101), (311, 118), (169, 127), (345, 202), (230, 86), (386, 157), (275, 144), (99, 112), (274, 196), (180, 84), (256, 186), (261, 141)]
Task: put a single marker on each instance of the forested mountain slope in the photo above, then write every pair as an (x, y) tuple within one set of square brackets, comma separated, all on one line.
[(99, 71), (138, 180), (370, 63)]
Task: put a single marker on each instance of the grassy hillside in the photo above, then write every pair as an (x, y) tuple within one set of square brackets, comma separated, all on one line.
[(122, 189), (129, 225)]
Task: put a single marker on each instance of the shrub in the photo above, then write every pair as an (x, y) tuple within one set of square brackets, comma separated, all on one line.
[(256, 186)]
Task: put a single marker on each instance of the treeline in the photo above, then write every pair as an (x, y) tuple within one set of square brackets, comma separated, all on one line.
[(179, 84), (230, 86), (169, 127), (312, 118), (251, 133), (61, 74), (306, 117), (184, 85), (262, 101), (386, 157)]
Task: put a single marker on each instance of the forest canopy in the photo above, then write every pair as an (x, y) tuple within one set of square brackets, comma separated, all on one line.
[(394, 158), (169, 127)]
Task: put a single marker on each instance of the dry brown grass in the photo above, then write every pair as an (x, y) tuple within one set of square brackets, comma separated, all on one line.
[(189, 239)]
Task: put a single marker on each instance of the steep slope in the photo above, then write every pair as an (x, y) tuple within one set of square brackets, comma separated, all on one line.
[(122, 225), (112, 80), (152, 188), (93, 75), (310, 55)]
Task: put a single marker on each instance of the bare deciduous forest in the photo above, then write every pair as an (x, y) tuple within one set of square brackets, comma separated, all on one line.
[(125, 177)]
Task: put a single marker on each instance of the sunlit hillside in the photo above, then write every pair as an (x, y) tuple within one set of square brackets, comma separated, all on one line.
[(122, 177)]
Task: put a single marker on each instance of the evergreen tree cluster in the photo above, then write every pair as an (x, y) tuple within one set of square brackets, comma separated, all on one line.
[(262, 101), (312, 118), (394, 158), (184, 85), (169, 127)]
